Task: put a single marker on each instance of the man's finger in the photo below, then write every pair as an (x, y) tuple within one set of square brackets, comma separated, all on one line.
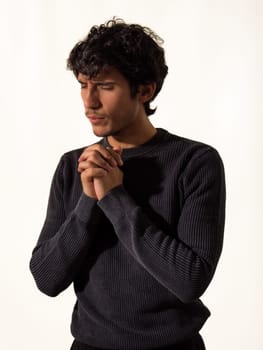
[(97, 148), (101, 163), (116, 154), (91, 173)]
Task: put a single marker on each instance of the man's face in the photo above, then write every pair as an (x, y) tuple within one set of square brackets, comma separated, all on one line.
[(108, 103)]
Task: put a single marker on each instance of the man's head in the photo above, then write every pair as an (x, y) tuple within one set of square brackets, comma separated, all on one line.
[(133, 50)]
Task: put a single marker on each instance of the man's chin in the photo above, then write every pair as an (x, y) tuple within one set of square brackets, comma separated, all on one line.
[(100, 133)]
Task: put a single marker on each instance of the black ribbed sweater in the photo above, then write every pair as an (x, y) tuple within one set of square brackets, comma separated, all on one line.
[(141, 257)]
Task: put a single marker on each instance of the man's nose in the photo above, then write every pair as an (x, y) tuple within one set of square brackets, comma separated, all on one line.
[(91, 98)]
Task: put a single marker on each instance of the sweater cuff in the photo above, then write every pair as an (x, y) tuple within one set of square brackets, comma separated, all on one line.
[(86, 207), (116, 204)]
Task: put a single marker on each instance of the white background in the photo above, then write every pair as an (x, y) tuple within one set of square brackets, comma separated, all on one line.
[(213, 93)]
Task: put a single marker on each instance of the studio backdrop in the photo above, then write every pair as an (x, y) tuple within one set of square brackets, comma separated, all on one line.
[(213, 93)]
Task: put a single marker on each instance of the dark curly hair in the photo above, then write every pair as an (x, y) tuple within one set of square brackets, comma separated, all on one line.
[(132, 49)]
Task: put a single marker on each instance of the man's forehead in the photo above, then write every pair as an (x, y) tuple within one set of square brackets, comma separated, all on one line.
[(101, 75)]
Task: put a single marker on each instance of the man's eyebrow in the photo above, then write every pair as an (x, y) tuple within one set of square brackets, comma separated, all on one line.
[(103, 81), (98, 82)]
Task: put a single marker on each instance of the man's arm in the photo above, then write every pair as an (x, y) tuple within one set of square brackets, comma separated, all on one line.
[(183, 262), (64, 241)]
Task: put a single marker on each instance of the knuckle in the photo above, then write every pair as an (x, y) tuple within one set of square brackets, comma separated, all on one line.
[(96, 148)]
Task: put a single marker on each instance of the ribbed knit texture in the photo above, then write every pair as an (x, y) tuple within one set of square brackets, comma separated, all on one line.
[(141, 257)]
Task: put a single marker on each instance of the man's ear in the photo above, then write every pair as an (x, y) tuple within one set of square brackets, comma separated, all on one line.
[(146, 92)]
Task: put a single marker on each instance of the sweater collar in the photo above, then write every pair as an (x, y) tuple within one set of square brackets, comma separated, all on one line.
[(160, 135)]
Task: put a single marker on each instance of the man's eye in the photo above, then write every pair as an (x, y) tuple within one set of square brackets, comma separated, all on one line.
[(83, 86), (106, 86)]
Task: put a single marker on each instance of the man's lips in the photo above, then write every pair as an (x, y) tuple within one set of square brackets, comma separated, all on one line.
[(95, 118), (91, 114)]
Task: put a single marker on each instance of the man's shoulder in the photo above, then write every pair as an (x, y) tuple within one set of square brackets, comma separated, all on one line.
[(186, 145), (191, 155), (74, 153)]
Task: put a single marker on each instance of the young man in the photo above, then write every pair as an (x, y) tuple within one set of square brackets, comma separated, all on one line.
[(136, 220)]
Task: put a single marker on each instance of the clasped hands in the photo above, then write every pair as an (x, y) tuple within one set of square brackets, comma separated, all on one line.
[(99, 170)]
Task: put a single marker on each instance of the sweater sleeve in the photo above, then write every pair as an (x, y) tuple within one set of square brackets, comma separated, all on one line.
[(64, 240), (183, 262)]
